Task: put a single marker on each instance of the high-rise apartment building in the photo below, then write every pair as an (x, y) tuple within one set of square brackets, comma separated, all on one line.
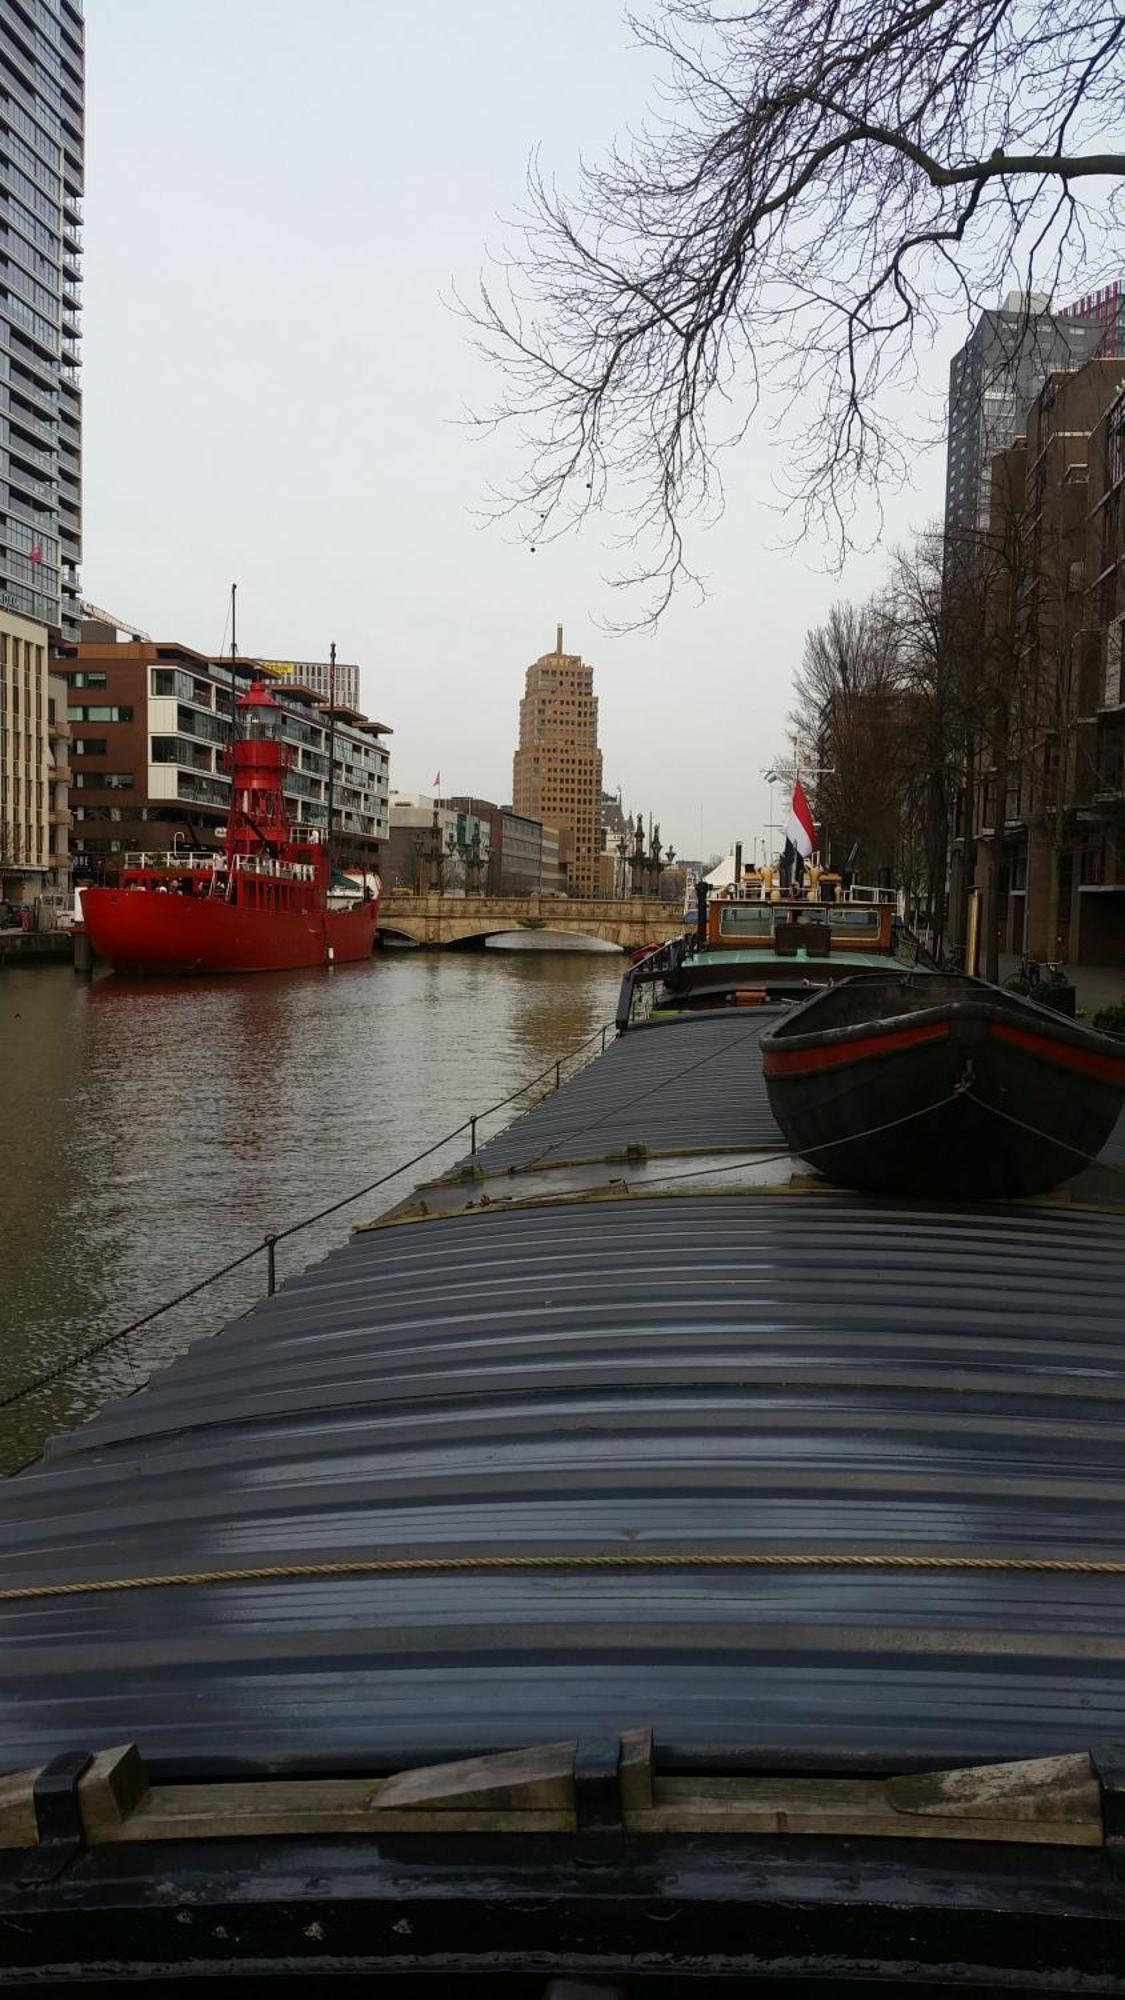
[(340, 683), (42, 67), (557, 770), (993, 381), (41, 147)]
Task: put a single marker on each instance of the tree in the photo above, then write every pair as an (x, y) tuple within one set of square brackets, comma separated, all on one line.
[(849, 702), (826, 180)]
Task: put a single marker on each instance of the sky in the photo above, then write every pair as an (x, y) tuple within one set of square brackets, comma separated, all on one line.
[(281, 200)]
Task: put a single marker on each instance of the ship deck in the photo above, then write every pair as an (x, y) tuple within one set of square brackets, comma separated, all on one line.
[(629, 1423)]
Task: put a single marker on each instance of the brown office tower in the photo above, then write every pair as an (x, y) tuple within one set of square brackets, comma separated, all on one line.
[(557, 771)]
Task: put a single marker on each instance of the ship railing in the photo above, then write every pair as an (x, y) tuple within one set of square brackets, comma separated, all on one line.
[(827, 888), (180, 860), (268, 868)]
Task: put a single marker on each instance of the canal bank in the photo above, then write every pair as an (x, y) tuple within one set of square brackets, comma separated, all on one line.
[(150, 1130), (22, 948)]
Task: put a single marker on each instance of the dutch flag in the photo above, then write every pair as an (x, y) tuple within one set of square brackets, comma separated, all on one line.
[(799, 829), (800, 838)]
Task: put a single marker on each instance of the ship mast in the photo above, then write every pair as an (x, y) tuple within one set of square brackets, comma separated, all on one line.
[(233, 658), (331, 754)]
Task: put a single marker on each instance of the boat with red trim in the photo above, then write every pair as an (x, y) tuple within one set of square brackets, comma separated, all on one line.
[(267, 901), (940, 1084)]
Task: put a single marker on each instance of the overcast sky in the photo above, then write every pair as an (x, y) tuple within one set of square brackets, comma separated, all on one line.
[(279, 198)]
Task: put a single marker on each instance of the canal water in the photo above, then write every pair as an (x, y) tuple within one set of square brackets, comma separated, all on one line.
[(151, 1131)]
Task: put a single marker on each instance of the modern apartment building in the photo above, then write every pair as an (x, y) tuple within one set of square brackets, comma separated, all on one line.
[(993, 381), (41, 151), (42, 67), (149, 723), (341, 681), (1106, 309), (557, 769)]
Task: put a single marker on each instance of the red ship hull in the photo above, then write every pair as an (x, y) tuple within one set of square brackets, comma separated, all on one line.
[(146, 931)]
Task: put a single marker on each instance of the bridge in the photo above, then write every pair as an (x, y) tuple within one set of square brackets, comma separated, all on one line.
[(437, 919)]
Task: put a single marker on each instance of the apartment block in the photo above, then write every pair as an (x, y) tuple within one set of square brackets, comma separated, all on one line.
[(339, 682), (150, 723), (42, 91), (557, 769), (1049, 807), (993, 380)]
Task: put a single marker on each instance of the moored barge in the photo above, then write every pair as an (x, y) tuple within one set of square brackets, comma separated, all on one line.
[(630, 1560)]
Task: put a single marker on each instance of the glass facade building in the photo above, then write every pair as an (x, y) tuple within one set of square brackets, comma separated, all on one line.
[(993, 381), (42, 85)]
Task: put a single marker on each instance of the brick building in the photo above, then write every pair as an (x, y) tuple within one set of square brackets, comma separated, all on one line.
[(1047, 823), (557, 769)]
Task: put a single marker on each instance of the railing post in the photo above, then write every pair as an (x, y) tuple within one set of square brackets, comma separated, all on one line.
[(271, 1266), (605, 1025), (473, 1130), (558, 1074)]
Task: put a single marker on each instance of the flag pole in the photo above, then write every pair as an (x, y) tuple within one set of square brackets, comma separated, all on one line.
[(331, 754)]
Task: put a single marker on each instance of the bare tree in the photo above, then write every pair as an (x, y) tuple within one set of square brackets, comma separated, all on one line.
[(849, 698), (826, 179)]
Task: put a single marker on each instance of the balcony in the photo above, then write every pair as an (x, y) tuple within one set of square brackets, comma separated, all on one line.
[(26, 422), (43, 489), (60, 816)]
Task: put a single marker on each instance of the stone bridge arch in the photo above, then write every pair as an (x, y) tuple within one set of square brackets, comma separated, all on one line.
[(437, 919)]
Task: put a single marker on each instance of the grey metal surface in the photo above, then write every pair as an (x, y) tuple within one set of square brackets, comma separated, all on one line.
[(763, 1372), (693, 1083)]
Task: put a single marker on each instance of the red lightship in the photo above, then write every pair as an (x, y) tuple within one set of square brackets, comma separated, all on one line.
[(265, 903)]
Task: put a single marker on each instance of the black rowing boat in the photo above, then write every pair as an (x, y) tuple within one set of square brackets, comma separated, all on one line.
[(938, 1084)]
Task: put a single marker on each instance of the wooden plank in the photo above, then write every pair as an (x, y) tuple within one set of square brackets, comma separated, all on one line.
[(856, 1808), (301, 1806), (541, 1779), (17, 1809)]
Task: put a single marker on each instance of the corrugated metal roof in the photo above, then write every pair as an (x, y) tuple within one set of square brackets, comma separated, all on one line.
[(678, 1085), (678, 1374)]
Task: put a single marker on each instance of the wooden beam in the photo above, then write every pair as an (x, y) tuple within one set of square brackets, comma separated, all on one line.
[(1052, 1801), (872, 1808)]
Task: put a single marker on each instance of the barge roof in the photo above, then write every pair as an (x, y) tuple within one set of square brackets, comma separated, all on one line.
[(628, 1391)]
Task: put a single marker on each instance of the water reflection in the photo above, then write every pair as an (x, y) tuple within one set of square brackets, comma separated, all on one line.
[(151, 1130)]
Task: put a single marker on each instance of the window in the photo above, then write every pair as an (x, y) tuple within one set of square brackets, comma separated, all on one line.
[(107, 781), (85, 680), (90, 746), (124, 713)]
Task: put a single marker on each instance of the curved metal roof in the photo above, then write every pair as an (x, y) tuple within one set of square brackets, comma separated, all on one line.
[(677, 1375), (690, 1084)]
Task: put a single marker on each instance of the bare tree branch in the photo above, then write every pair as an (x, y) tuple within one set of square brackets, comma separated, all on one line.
[(819, 178)]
